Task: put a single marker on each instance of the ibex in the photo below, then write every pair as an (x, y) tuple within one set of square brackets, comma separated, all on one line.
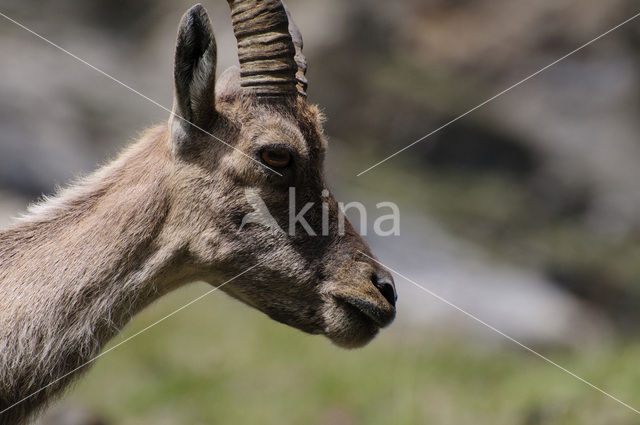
[(167, 211)]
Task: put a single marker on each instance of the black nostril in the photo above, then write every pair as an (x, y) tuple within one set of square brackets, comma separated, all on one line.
[(386, 287)]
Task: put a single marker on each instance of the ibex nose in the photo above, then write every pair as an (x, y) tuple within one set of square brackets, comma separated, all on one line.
[(384, 282)]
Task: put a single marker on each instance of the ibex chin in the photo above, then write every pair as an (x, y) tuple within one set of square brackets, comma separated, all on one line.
[(167, 212)]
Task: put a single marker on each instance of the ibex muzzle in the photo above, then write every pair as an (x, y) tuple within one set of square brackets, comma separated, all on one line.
[(320, 284)]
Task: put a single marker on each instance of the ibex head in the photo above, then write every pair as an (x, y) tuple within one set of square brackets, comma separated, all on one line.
[(253, 129)]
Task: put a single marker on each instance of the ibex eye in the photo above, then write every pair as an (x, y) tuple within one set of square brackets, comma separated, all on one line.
[(276, 157)]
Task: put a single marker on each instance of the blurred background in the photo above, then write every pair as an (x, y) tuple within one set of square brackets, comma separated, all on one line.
[(525, 213)]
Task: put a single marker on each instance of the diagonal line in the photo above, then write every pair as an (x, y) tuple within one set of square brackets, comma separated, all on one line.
[(135, 91), (500, 94), (132, 336), (531, 350)]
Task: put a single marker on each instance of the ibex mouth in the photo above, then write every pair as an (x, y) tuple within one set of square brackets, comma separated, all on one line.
[(381, 316)]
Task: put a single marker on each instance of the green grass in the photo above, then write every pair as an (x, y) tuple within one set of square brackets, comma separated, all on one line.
[(219, 362)]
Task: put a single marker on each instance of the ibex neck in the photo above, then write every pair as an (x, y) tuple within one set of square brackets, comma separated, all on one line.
[(75, 270)]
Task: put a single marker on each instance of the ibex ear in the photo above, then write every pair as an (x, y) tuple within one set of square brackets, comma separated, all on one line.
[(194, 72)]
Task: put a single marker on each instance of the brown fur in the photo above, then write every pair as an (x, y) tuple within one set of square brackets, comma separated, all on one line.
[(166, 212)]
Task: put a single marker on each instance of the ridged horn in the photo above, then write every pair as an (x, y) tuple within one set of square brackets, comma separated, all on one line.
[(269, 48), (301, 61)]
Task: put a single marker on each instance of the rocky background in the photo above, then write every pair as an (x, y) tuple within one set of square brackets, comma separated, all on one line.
[(526, 212)]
